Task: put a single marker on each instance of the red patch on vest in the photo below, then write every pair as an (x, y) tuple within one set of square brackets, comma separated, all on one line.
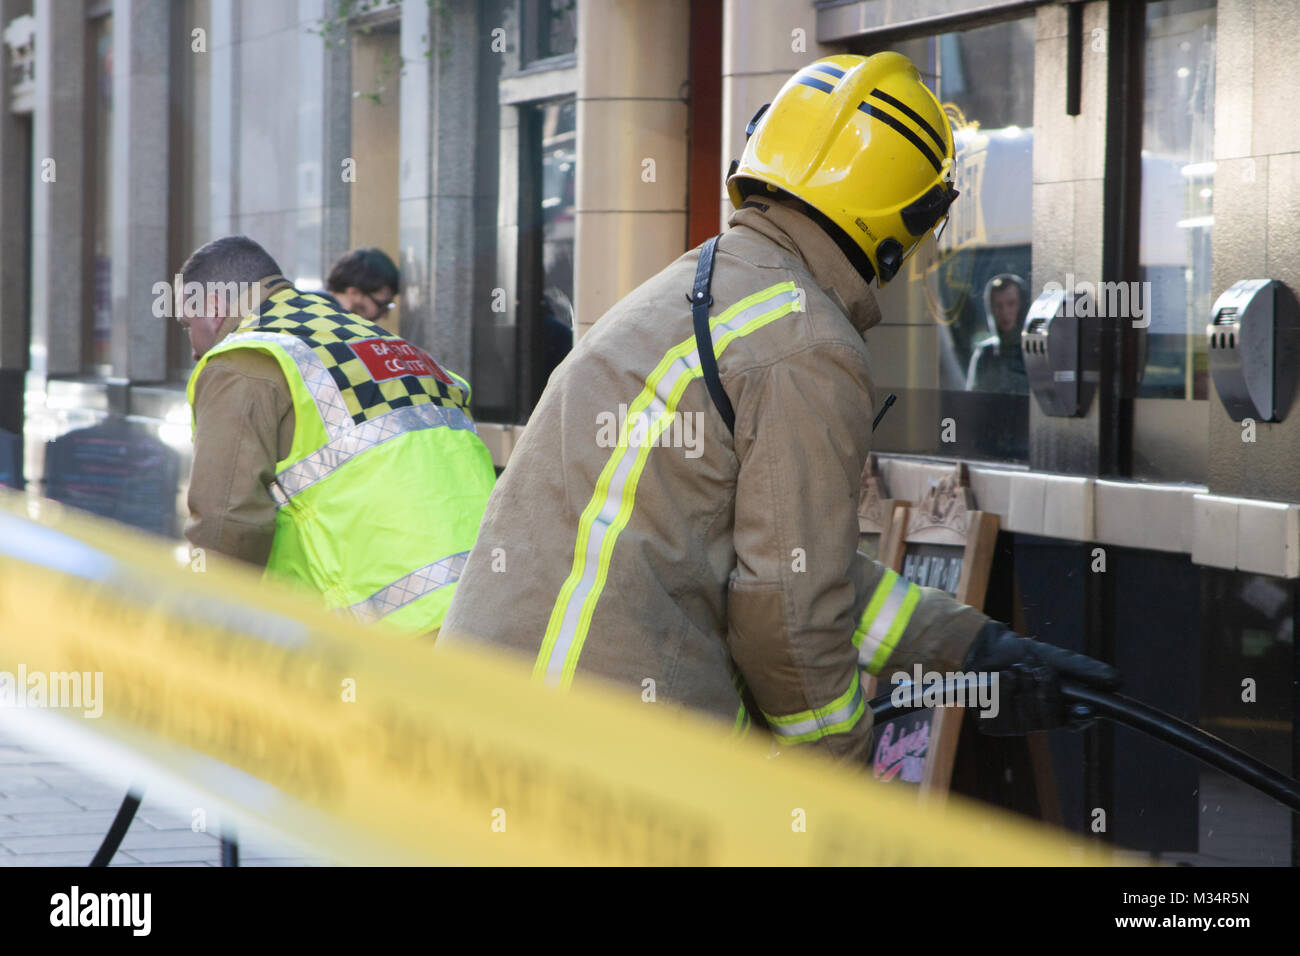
[(392, 358)]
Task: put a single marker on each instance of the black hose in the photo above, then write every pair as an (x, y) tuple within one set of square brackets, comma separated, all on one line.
[(1155, 723), (121, 823), (1191, 740)]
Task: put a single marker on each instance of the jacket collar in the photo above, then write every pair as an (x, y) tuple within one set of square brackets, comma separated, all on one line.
[(829, 267), (267, 286)]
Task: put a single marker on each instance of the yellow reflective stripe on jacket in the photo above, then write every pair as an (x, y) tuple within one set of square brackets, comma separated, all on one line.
[(742, 722), (742, 715), (838, 717), (884, 620), (611, 504)]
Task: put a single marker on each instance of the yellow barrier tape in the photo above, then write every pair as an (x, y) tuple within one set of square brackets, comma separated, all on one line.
[(442, 756)]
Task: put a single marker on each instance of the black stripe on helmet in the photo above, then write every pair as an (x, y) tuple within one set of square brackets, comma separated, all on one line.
[(815, 84), (911, 137), (913, 115), (827, 68)]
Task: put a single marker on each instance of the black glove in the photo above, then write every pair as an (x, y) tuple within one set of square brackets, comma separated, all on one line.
[(1029, 681)]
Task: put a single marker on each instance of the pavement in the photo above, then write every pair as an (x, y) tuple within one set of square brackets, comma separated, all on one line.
[(52, 814)]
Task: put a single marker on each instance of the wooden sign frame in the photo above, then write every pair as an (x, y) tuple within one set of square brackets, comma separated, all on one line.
[(875, 510), (945, 516)]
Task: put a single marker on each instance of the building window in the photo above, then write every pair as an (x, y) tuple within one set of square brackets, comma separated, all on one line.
[(1177, 194), (950, 340), (549, 29), (548, 167), (190, 168), (529, 326), (376, 145)]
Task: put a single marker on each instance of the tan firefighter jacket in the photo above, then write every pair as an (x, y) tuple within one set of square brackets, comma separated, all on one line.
[(633, 538)]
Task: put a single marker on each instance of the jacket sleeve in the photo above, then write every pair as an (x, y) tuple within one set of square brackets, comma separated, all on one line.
[(805, 608), (237, 414)]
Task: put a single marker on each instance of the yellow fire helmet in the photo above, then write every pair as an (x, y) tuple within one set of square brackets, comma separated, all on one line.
[(864, 143)]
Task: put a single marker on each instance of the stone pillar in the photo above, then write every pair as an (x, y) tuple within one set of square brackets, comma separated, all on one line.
[(139, 203), (223, 126), (335, 143), (448, 131), (633, 66), (59, 174), (763, 43), (324, 121)]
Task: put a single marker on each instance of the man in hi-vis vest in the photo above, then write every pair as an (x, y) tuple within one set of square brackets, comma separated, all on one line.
[(689, 480), (326, 449)]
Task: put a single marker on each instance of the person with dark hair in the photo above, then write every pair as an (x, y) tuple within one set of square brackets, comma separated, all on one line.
[(997, 364), (365, 282), (327, 450)]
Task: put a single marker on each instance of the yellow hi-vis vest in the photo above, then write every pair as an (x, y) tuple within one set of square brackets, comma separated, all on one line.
[(381, 496)]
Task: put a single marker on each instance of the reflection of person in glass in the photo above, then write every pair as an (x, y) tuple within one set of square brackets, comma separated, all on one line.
[(996, 365)]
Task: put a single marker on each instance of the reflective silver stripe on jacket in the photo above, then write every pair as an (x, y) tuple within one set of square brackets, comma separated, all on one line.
[(662, 389), (822, 724), (409, 588), (347, 439), (322, 462), (324, 390), (877, 629)]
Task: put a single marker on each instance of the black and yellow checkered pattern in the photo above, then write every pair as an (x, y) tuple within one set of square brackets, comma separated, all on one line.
[(328, 331)]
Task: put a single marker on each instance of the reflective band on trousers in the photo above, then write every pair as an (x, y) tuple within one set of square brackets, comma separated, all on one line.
[(409, 588), (352, 442), (320, 383), (612, 502), (838, 717), (884, 620)]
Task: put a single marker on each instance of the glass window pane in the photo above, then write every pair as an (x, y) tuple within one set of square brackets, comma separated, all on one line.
[(550, 28), (547, 241), (1177, 194), (950, 341)]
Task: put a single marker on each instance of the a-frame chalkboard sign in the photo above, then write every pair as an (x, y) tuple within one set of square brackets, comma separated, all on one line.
[(942, 542), (875, 510)]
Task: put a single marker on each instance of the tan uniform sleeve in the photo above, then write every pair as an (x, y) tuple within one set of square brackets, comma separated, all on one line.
[(805, 607), (241, 410)]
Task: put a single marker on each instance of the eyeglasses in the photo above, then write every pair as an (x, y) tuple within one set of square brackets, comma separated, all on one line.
[(382, 306)]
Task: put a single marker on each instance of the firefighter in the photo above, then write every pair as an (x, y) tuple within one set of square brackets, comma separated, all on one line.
[(327, 450), (708, 556)]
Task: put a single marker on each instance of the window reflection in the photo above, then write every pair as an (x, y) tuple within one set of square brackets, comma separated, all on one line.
[(559, 165), (997, 365), (1177, 194), (942, 340)]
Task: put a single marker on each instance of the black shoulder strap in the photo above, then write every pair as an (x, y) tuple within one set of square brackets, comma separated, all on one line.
[(700, 303)]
